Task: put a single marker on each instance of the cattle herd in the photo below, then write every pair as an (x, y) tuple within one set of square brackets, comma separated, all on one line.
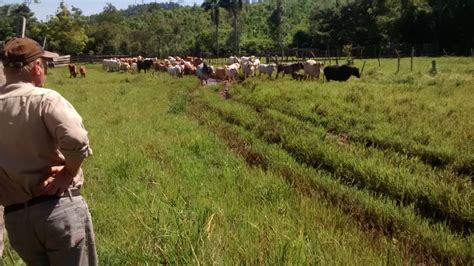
[(235, 68)]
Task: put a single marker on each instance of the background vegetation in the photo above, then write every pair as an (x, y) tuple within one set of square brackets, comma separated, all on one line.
[(163, 29)]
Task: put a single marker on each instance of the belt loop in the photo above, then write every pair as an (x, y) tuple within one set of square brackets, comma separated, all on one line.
[(69, 193)]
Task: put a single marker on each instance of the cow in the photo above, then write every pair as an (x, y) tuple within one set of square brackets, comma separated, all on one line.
[(72, 70), (83, 71), (111, 64), (298, 76), (312, 69), (266, 69), (220, 73), (231, 71), (203, 72), (125, 67), (177, 70), (245, 59), (233, 60), (288, 68), (249, 69), (340, 73), (189, 68), (144, 64), (197, 61), (134, 67), (256, 62)]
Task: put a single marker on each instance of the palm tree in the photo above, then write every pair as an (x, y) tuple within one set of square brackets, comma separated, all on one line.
[(233, 7), (213, 6)]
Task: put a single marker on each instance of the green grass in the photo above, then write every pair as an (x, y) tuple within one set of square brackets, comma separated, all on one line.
[(395, 176), (374, 212), (180, 176)]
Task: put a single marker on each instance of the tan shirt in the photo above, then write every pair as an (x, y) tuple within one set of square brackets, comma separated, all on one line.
[(38, 129)]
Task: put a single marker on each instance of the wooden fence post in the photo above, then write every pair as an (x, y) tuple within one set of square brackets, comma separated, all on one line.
[(398, 60), (411, 61), (378, 56), (329, 56), (337, 56), (434, 69), (362, 68)]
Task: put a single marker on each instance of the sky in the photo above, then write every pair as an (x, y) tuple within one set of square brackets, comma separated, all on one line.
[(46, 8)]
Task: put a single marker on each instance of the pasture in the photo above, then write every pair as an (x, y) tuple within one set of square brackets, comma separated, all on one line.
[(377, 170)]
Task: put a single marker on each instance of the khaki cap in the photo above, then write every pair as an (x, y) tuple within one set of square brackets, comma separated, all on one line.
[(19, 52)]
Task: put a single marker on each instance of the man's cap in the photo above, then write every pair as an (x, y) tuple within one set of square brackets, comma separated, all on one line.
[(19, 52)]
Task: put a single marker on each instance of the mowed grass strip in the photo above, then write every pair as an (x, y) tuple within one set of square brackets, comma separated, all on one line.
[(354, 165), (417, 236), (163, 190), (413, 113)]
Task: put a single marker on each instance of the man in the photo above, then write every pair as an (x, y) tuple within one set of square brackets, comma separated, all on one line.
[(43, 144)]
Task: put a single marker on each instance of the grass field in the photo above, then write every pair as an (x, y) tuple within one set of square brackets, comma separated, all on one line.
[(376, 171)]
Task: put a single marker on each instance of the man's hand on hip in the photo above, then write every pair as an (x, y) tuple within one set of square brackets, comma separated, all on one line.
[(56, 182)]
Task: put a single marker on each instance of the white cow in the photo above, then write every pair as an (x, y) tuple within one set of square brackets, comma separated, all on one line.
[(312, 69), (249, 69), (134, 67), (267, 69), (231, 71), (111, 64), (176, 70), (233, 60)]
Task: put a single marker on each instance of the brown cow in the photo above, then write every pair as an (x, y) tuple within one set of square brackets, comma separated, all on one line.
[(220, 73), (72, 70), (82, 70)]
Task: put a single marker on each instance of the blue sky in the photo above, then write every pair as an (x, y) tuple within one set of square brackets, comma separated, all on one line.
[(48, 7)]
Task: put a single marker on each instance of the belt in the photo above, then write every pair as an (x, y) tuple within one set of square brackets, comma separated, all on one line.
[(39, 199)]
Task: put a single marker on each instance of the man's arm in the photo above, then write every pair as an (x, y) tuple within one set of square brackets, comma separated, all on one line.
[(65, 126)]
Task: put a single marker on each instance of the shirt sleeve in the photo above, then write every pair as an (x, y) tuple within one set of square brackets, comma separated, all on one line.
[(65, 126)]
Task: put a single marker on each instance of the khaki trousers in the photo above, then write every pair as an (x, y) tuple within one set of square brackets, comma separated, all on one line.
[(55, 232)]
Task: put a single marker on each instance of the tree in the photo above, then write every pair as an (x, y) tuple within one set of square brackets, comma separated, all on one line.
[(233, 7), (276, 24), (66, 30), (11, 18), (213, 7), (105, 31)]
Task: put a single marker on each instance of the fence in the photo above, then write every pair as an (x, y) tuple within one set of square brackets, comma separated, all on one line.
[(328, 56), (83, 59)]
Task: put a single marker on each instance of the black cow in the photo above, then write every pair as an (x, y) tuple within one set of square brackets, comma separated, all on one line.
[(340, 73), (144, 64), (297, 76), (288, 68)]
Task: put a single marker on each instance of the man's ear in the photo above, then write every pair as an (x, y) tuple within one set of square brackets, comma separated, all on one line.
[(38, 68)]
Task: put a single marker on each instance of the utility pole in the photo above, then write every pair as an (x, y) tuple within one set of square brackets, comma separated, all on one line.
[(21, 27), (20, 32)]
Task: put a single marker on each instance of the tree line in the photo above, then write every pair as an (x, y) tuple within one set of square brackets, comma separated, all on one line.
[(225, 27)]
